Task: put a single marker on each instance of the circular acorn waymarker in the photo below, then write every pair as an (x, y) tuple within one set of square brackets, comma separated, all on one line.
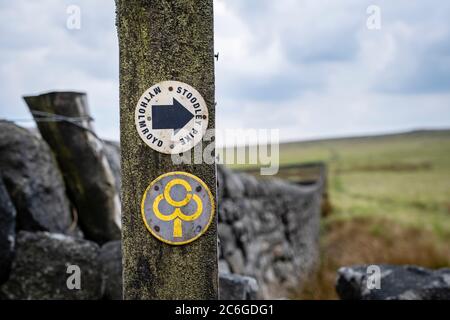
[(171, 117), (175, 210)]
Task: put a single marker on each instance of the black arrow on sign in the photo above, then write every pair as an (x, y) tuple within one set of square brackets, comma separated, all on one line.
[(174, 116)]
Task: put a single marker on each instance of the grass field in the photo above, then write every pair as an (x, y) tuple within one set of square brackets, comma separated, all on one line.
[(390, 199)]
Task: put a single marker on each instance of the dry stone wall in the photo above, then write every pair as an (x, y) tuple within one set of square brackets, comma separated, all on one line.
[(268, 229)]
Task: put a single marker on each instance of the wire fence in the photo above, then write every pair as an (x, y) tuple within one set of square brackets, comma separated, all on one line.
[(42, 116)]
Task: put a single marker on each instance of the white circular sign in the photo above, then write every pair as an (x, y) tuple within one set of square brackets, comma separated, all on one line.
[(171, 117)]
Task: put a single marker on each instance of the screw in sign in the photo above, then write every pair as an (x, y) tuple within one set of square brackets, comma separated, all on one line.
[(171, 117), (177, 207)]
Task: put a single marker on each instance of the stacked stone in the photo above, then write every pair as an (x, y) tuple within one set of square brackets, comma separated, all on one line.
[(268, 229), (41, 243)]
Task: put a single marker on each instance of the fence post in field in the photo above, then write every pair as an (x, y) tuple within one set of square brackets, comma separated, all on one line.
[(169, 221), (64, 122)]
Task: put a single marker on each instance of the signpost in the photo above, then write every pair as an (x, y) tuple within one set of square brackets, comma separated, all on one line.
[(171, 117), (177, 208), (169, 220)]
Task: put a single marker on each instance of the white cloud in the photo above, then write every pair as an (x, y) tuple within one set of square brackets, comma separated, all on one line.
[(40, 54), (333, 75), (310, 68)]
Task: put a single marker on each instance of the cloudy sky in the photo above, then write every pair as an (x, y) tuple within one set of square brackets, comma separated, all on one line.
[(311, 68)]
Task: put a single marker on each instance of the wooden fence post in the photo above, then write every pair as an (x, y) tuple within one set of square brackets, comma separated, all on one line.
[(160, 41), (89, 178)]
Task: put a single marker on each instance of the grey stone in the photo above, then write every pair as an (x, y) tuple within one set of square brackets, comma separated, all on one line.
[(236, 287), (220, 183), (232, 186), (7, 232), (227, 241), (111, 261), (235, 260), (228, 211), (396, 283), (251, 185), (269, 230), (34, 182), (223, 266), (40, 268), (112, 152)]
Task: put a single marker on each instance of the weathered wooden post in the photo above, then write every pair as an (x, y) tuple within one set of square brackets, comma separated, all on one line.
[(82, 160), (169, 224)]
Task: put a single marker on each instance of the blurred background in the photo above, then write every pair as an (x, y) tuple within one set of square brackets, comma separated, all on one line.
[(361, 86)]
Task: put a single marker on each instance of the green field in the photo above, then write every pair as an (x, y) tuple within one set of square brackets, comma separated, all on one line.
[(404, 177), (390, 200)]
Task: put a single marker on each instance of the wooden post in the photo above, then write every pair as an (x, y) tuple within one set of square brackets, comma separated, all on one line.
[(89, 178), (163, 40)]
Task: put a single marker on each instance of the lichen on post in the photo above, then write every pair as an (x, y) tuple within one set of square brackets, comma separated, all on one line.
[(163, 40)]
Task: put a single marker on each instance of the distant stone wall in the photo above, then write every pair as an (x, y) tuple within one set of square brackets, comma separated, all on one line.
[(268, 229)]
